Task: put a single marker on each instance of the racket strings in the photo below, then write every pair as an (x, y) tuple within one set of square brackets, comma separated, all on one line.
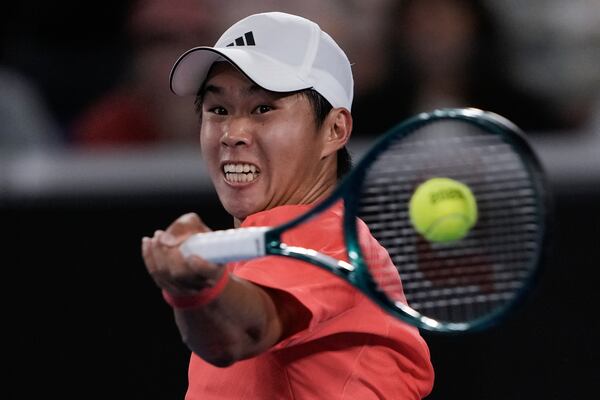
[(467, 279)]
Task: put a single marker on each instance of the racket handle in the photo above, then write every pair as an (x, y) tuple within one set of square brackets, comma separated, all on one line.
[(229, 245)]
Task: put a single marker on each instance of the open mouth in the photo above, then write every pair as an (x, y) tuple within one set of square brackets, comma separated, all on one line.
[(240, 172)]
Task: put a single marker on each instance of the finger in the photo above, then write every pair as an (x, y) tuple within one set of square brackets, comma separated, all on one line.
[(160, 252), (171, 268), (152, 266), (176, 274), (160, 256), (207, 269), (182, 228), (193, 220), (147, 254)]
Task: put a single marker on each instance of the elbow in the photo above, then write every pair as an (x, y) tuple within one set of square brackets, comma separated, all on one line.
[(219, 360), (218, 354), (222, 353)]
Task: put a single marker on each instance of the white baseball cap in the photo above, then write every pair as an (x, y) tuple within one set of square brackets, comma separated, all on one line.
[(279, 52)]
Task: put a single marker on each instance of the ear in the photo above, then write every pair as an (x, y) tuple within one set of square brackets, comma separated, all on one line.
[(338, 126)]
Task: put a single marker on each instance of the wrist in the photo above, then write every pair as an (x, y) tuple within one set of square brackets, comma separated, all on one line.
[(202, 298)]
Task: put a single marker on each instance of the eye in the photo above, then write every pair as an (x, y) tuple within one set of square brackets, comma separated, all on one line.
[(262, 109), (218, 110)]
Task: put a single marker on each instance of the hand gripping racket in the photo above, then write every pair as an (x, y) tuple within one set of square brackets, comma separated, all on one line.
[(457, 286)]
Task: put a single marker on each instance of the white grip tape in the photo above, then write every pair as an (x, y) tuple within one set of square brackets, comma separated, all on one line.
[(228, 245)]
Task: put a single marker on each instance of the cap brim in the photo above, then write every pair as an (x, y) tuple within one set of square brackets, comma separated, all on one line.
[(192, 68)]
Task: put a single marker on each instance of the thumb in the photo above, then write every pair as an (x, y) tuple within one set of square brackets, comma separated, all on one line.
[(183, 227)]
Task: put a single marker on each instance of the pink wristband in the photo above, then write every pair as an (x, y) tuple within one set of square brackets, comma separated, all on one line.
[(202, 298)]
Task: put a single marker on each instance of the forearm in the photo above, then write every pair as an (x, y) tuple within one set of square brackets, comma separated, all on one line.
[(242, 322)]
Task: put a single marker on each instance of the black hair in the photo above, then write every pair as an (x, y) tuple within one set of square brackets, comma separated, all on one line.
[(321, 108)]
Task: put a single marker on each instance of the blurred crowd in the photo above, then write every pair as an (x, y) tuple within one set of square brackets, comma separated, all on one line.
[(77, 76)]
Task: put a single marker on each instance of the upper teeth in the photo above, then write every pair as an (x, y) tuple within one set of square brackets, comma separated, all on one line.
[(239, 168)]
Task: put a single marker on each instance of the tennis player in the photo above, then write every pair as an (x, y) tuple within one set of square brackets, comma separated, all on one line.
[(274, 96)]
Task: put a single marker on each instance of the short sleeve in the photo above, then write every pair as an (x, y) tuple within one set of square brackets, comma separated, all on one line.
[(324, 295)]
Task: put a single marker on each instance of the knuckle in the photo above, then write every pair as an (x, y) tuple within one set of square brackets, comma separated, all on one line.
[(189, 218)]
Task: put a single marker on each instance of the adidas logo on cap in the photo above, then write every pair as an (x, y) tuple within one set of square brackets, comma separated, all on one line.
[(249, 40)]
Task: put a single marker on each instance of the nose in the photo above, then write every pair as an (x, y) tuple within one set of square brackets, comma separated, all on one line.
[(237, 133)]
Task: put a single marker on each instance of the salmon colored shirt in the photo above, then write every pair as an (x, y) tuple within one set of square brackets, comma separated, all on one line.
[(351, 348)]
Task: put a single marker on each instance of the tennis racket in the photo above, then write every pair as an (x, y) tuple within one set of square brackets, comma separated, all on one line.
[(464, 285)]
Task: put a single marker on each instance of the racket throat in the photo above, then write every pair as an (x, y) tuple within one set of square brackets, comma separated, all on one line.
[(331, 264)]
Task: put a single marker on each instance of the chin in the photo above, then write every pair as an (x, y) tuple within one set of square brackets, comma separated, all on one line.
[(240, 211)]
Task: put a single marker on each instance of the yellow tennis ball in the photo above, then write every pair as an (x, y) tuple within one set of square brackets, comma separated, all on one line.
[(443, 210)]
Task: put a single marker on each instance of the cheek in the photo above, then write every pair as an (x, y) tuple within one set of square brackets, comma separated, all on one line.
[(209, 148), (297, 153), (209, 136)]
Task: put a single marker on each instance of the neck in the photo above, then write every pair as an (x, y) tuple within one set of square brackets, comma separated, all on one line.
[(323, 185)]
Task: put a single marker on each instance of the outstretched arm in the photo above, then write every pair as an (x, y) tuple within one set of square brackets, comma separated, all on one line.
[(242, 321)]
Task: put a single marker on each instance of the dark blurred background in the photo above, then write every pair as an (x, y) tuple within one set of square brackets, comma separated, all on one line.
[(95, 153)]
